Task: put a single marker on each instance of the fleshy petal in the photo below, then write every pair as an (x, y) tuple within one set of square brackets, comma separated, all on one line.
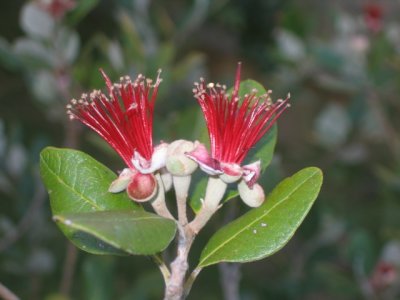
[(159, 157), (157, 162), (231, 169), (123, 180), (252, 196), (140, 163), (251, 173), (208, 164), (232, 172)]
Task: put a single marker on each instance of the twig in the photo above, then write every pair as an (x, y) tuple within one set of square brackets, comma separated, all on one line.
[(175, 286), (230, 272), (26, 221), (158, 204), (390, 134), (214, 192), (230, 279), (181, 187), (6, 294), (189, 282), (68, 269)]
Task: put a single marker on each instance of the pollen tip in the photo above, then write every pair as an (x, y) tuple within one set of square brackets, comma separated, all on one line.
[(133, 106), (210, 85)]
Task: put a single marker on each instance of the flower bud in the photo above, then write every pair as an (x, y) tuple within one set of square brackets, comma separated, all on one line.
[(142, 187), (178, 164), (254, 196)]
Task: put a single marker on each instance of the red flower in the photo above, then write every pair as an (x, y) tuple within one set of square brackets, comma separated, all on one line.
[(373, 15), (57, 8), (383, 276), (235, 124), (125, 121)]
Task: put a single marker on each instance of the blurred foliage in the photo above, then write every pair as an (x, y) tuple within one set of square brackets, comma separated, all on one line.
[(340, 61)]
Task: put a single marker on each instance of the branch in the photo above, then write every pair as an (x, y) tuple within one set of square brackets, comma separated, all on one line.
[(6, 294)]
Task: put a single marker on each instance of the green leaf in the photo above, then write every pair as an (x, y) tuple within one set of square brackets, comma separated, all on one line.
[(77, 183), (82, 8), (134, 232), (198, 194), (265, 230)]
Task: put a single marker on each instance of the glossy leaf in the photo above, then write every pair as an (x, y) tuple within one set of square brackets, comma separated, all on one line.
[(77, 183), (134, 232), (265, 230)]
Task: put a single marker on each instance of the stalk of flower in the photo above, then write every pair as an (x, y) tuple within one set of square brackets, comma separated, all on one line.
[(235, 124), (124, 120)]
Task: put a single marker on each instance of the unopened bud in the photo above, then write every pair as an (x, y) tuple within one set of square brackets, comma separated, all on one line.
[(142, 188), (178, 164), (254, 196)]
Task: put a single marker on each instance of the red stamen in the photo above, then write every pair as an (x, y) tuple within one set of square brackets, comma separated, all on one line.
[(235, 125), (125, 119)]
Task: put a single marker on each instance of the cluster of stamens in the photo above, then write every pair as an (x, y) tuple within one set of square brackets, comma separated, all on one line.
[(119, 117), (236, 123)]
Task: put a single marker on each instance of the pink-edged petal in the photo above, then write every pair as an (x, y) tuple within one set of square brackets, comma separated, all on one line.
[(232, 172), (251, 173), (159, 157), (231, 169), (208, 164)]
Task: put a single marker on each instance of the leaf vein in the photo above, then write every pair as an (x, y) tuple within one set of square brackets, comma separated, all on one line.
[(70, 188), (257, 219)]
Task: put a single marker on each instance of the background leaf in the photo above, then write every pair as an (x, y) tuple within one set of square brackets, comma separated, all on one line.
[(77, 183), (82, 8), (264, 230), (135, 232)]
